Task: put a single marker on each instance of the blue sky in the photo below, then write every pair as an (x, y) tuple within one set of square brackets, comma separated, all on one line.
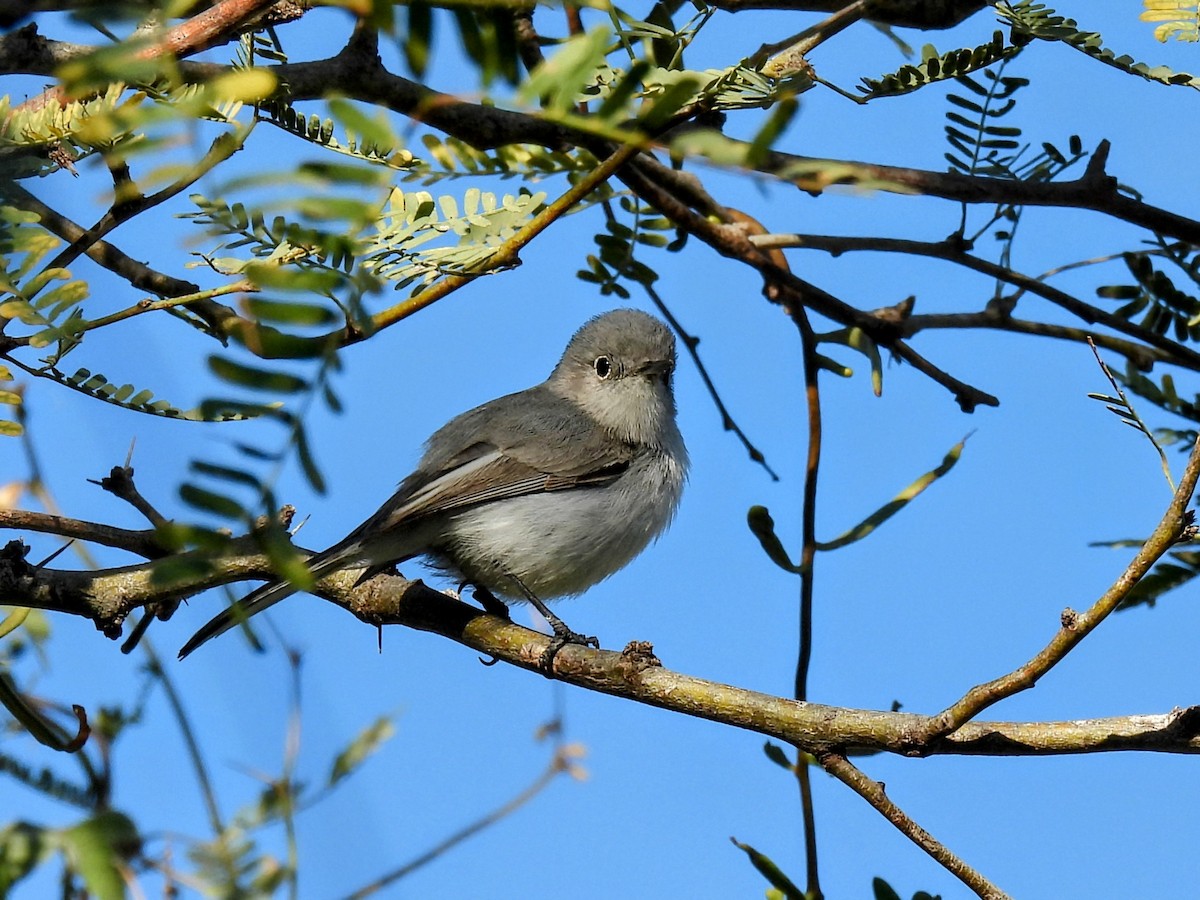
[(966, 584)]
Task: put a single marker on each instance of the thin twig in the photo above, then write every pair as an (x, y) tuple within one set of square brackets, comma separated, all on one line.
[(119, 482), (558, 765), (690, 343), (286, 790), (1141, 356), (222, 147), (808, 554), (1095, 190), (801, 43), (207, 792), (1075, 625), (145, 306), (730, 240), (873, 792)]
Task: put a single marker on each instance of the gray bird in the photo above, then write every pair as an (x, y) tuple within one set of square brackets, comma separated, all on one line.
[(538, 494)]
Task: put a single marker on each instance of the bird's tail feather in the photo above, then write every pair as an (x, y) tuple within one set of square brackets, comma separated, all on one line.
[(267, 596)]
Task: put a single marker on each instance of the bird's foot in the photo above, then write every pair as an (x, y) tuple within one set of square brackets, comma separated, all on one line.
[(562, 634), (562, 637)]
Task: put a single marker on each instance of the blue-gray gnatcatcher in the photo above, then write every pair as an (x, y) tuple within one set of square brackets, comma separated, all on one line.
[(538, 494)]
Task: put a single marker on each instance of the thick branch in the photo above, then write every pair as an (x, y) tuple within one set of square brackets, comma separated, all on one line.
[(359, 73), (1095, 190), (216, 25), (107, 596)]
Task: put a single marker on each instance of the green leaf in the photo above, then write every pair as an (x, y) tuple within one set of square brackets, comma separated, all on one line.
[(22, 310), (419, 36), (290, 312), (308, 463), (763, 527), (252, 377), (882, 890), (22, 847), (781, 116), (770, 871), (33, 720), (677, 94), (889, 509), (237, 476), (368, 741), (179, 536), (1119, 291), (98, 848), (1166, 576), (284, 277), (859, 340), (211, 501), (778, 755), (288, 562), (832, 365), (562, 77), (370, 130), (180, 570)]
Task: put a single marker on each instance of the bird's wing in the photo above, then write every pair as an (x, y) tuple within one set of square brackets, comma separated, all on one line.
[(511, 447)]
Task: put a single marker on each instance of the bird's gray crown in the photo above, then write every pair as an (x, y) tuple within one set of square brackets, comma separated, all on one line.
[(630, 338)]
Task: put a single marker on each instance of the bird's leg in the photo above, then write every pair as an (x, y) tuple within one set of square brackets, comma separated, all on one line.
[(562, 634), (491, 604)]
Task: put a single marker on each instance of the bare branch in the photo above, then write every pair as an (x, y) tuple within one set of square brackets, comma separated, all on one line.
[(873, 792), (142, 543), (1076, 625), (1095, 190), (953, 251), (107, 596), (904, 13)]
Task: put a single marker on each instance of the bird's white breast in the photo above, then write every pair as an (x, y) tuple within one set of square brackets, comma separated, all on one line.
[(563, 542)]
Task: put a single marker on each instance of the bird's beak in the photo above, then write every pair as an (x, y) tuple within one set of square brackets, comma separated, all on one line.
[(655, 368)]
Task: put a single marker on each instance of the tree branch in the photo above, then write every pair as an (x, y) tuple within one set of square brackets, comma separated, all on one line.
[(874, 793), (953, 251), (1095, 190), (142, 543), (1176, 522), (358, 73), (904, 13), (107, 596)]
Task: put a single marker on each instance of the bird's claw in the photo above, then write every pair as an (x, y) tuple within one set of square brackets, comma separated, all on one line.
[(562, 637)]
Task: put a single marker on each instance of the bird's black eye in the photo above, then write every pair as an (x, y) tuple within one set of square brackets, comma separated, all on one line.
[(603, 366)]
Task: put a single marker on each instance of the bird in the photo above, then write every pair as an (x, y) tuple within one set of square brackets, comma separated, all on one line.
[(535, 495)]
